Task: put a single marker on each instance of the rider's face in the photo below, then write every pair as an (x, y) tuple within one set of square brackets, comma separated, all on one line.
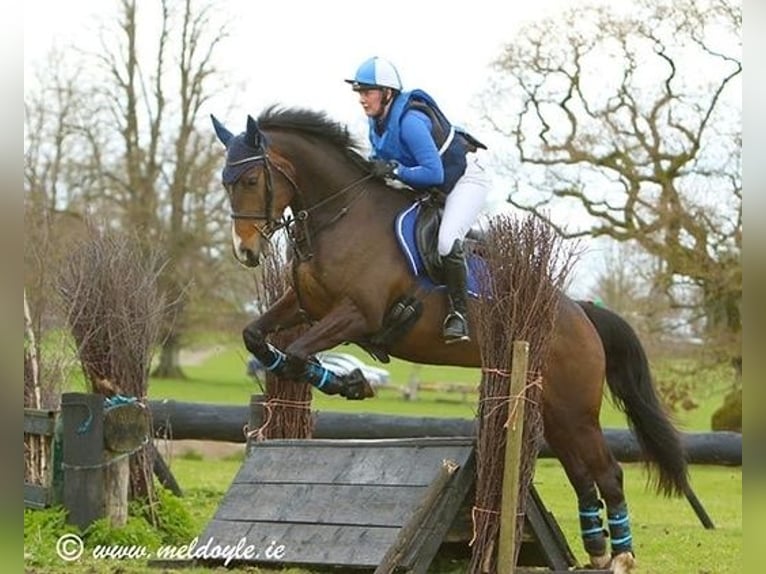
[(372, 101)]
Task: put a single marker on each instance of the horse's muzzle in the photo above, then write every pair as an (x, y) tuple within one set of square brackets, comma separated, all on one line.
[(247, 257)]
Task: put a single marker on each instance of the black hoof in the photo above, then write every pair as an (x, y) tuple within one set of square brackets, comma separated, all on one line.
[(255, 342), (356, 387)]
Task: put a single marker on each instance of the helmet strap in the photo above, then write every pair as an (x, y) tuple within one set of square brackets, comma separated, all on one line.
[(387, 96)]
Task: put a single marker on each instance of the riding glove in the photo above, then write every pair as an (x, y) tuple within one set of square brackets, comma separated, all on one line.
[(383, 168)]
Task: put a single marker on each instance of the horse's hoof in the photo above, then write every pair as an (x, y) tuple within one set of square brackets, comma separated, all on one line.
[(255, 342), (356, 387), (623, 563), (600, 562)]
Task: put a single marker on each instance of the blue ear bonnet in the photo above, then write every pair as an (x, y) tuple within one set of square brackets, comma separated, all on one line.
[(242, 150), (238, 152)]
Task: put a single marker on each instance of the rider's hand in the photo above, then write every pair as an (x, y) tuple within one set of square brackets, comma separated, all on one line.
[(383, 168)]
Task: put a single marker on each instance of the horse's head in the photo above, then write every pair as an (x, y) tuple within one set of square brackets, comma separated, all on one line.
[(258, 187)]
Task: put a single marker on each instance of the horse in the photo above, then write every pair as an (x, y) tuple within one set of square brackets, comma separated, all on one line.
[(297, 170)]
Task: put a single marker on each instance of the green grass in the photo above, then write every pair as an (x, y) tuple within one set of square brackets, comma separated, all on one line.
[(668, 536)]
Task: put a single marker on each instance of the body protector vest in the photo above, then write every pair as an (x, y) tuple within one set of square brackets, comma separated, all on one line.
[(453, 143)]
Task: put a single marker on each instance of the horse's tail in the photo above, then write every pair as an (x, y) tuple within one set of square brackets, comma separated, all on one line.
[(630, 382)]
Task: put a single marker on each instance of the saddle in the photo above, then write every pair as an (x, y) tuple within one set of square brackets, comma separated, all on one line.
[(417, 230)]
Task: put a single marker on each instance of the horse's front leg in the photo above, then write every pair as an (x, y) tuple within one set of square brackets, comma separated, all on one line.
[(286, 312), (343, 323)]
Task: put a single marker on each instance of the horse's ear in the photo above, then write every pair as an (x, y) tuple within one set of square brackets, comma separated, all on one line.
[(252, 133), (223, 134)]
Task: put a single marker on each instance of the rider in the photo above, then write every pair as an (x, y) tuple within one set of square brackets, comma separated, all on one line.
[(413, 141)]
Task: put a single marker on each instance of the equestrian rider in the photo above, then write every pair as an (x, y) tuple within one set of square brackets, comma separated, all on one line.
[(413, 141)]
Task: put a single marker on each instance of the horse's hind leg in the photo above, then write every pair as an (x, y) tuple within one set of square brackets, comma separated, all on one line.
[(566, 444), (608, 476), (594, 463)]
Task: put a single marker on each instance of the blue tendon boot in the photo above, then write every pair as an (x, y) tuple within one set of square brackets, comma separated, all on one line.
[(592, 531), (623, 559), (352, 386)]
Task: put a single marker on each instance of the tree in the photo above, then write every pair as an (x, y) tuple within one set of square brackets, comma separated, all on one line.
[(160, 170), (53, 179), (630, 123)]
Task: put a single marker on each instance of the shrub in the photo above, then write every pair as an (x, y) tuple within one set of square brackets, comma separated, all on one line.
[(729, 416)]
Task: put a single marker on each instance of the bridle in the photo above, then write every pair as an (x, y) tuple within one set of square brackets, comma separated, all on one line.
[(299, 237)]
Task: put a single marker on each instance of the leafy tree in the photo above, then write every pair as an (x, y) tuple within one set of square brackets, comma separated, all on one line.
[(630, 123)]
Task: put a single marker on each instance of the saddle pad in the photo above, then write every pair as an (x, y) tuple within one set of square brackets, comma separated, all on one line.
[(404, 228)]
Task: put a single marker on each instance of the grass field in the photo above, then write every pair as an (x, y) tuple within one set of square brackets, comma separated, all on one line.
[(668, 536)]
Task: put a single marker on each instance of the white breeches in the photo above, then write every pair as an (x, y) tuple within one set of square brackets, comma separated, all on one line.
[(464, 204)]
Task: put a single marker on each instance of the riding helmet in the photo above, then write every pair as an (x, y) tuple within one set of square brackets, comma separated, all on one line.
[(376, 72)]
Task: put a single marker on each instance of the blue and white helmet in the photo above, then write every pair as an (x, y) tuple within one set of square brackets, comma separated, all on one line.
[(376, 73)]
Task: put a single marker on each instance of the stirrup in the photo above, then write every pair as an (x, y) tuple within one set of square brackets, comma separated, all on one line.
[(455, 333)]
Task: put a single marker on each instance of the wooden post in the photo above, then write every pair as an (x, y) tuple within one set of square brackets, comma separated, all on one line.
[(116, 483), (126, 430), (83, 457), (515, 428)]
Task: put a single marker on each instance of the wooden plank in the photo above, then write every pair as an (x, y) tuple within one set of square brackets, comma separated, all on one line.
[(549, 537), (340, 502), (39, 422), (319, 544), (390, 462), (36, 496), (320, 503), (418, 522), (423, 551)]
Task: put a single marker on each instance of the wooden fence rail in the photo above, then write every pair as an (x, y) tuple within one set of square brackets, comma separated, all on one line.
[(39, 433), (201, 421)]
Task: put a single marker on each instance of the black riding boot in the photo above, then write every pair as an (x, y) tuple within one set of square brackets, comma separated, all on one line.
[(456, 322)]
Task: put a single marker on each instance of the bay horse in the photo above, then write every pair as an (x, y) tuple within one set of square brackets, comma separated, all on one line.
[(351, 280)]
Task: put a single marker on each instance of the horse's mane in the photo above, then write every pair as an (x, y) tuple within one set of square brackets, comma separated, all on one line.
[(319, 124), (313, 123)]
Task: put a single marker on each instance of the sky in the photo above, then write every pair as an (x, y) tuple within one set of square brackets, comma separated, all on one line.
[(298, 52)]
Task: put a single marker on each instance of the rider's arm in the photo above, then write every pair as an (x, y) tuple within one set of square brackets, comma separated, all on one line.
[(415, 133)]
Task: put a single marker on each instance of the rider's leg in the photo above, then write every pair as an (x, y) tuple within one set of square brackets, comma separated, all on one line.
[(456, 323), (463, 205)]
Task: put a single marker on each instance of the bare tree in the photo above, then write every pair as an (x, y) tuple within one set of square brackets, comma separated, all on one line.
[(165, 177), (53, 183), (630, 123)]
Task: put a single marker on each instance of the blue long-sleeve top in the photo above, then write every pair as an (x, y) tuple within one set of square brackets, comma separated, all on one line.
[(407, 137), (408, 141), (419, 163)]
